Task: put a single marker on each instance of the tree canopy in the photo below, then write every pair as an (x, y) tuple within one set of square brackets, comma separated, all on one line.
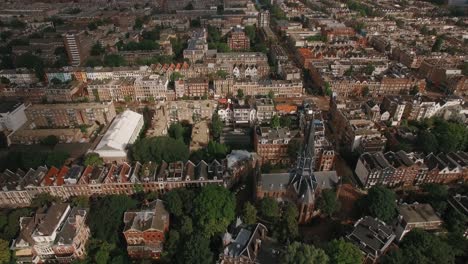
[(196, 250), (216, 125), (328, 203), (4, 252), (299, 253), (106, 216), (93, 159), (269, 209), (275, 122), (380, 202), (249, 214), (421, 247), (343, 252), (213, 209), (159, 149)]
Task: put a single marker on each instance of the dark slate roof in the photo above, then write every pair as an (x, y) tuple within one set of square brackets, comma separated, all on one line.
[(372, 236)]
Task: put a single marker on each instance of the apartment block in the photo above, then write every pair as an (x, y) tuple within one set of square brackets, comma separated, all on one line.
[(57, 233), (272, 144), (112, 90), (78, 46), (403, 169), (196, 87), (238, 40), (70, 115)]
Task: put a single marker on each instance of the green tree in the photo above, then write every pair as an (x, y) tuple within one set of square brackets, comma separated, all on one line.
[(328, 202), (4, 252), (43, 199), (159, 149), (213, 209), (294, 146), (299, 253), (436, 195), (419, 246), (221, 74), (216, 125), (365, 91), (249, 214), (50, 141), (327, 89), (287, 228), (285, 121), (80, 201), (380, 202), (4, 80), (196, 250), (216, 150), (427, 141), (342, 252), (186, 226), (275, 122), (437, 44), (56, 158), (103, 254), (11, 229), (93, 159), (114, 60), (269, 209), (170, 246), (271, 94), (251, 32), (97, 49), (451, 136), (106, 215), (240, 93), (176, 131)]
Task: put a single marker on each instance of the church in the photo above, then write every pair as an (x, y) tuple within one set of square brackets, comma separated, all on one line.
[(301, 185)]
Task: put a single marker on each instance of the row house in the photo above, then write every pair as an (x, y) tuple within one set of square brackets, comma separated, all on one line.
[(70, 115), (111, 90), (403, 169), (196, 87), (324, 153), (243, 114), (152, 86), (272, 144), (26, 93), (54, 234), (265, 110), (65, 92), (19, 188), (353, 129), (19, 76), (280, 88), (223, 86), (102, 73)]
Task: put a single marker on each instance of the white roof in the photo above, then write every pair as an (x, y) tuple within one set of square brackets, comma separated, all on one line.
[(119, 134)]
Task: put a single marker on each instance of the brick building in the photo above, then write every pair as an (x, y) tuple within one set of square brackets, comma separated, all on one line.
[(302, 185), (145, 229), (272, 144), (403, 169), (238, 40), (196, 87), (70, 115), (54, 234)]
